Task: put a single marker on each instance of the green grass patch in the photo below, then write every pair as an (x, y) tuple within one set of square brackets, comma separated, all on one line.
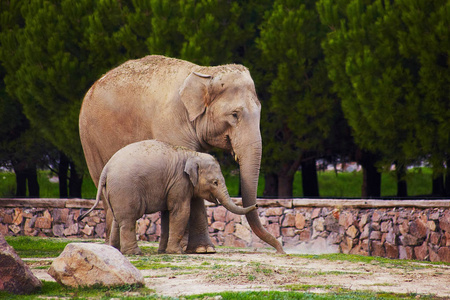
[(331, 184), (27, 246), (307, 287), (339, 294), (162, 261), (54, 290)]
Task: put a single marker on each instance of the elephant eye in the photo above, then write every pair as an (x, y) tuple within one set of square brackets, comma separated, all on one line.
[(235, 115), (216, 182)]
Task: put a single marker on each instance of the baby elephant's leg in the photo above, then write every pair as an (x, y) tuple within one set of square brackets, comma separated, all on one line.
[(114, 238), (178, 220), (128, 243), (164, 232)]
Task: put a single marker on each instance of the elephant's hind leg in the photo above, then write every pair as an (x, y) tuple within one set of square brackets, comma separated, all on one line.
[(114, 236), (164, 232), (128, 242)]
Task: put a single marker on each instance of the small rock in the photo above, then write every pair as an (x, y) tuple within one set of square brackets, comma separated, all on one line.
[(220, 213), (15, 276), (444, 221), (418, 229), (88, 230), (289, 220), (243, 233), (87, 264), (352, 231), (218, 225), (315, 213), (318, 224), (299, 221), (274, 211), (421, 252)]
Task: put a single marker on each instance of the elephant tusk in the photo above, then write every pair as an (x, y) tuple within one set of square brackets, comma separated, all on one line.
[(235, 156), (214, 200), (202, 75)]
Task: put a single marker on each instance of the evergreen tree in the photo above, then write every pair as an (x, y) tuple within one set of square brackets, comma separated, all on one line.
[(381, 79), (212, 31), (51, 75), (301, 112), (21, 146)]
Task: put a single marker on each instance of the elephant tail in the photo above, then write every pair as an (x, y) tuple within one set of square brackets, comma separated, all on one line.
[(101, 188)]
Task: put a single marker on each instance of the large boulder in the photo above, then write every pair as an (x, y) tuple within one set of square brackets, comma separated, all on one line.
[(15, 276), (87, 264)]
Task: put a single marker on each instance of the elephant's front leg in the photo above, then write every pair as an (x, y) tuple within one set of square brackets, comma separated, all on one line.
[(178, 220), (199, 240)]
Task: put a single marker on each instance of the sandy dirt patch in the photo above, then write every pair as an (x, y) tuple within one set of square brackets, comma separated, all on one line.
[(259, 270)]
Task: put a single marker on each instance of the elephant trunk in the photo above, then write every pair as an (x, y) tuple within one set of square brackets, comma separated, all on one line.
[(249, 158), (225, 199)]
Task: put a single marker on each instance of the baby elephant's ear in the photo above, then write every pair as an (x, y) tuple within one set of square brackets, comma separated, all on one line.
[(191, 168)]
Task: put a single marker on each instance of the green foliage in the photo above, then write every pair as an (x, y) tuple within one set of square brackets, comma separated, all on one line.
[(386, 60), (301, 110)]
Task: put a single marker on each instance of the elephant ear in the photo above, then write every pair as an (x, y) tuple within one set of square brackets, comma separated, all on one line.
[(194, 94), (191, 168)]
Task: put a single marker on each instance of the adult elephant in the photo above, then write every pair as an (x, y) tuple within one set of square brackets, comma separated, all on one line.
[(182, 104)]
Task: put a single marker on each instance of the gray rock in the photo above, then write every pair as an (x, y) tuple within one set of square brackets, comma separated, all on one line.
[(15, 276), (87, 264)]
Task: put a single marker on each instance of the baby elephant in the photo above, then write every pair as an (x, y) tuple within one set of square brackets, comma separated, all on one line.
[(151, 176)]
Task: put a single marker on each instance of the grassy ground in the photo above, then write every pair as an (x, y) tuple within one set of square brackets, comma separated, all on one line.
[(331, 184), (34, 247)]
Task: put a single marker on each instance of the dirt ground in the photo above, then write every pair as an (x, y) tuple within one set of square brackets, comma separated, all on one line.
[(261, 269)]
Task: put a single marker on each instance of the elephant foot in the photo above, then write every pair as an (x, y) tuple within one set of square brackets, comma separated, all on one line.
[(202, 250), (174, 251), (134, 251)]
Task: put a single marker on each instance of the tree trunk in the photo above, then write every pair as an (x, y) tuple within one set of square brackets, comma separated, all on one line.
[(285, 185), (33, 185), (62, 175), (26, 175), (75, 182), (402, 188), (286, 178), (447, 180), (271, 185), (438, 185), (21, 183), (309, 178), (371, 186)]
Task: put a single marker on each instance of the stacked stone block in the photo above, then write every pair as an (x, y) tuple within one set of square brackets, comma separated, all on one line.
[(396, 231)]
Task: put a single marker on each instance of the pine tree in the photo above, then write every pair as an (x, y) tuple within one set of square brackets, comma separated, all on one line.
[(51, 75), (301, 112), (380, 76), (21, 146)]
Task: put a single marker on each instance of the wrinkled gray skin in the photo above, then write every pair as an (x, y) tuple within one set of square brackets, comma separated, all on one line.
[(182, 104), (150, 176)]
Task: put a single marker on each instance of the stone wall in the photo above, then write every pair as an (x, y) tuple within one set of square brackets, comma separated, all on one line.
[(404, 229)]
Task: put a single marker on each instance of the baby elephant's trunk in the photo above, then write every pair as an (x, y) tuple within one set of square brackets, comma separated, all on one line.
[(226, 201)]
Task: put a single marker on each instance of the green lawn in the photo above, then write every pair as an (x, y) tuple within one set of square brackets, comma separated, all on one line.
[(331, 184)]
